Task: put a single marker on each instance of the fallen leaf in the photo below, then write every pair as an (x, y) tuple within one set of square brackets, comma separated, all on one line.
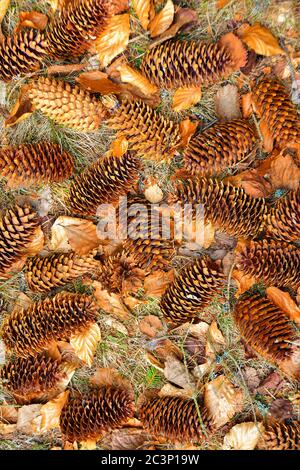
[(36, 244), (8, 413), (281, 169), (22, 109), (156, 283), (110, 322), (70, 233), (50, 413), (185, 97), (32, 19), (66, 69), (252, 182), (4, 4), (271, 382), (151, 326), (111, 303), (45, 201), (284, 301), (187, 130), (163, 20), (215, 340), (132, 302), (128, 439), (251, 378), (222, 3), (243, 436), (7, 429), (281, 409), (22, 301), (243, 281), (170, 390), (134, 77), (98, 82), (177, 373), (222, 400), (184, 17), (260, 39), (227, 103), (114, 39), (119, 147), (26, 418), (142, 9), (86, 342), (105, 376), (195, 349)]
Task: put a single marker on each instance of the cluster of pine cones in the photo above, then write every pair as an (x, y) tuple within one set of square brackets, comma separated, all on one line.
[(32, 374)]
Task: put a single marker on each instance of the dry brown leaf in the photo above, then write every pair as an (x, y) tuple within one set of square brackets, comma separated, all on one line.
[(32, 19), (142, 9), (86, 342), (251, 378), (22, 109), (281, 409), (114, 39), (134, 77), (163, 20), (66, 69), (260, 39), (26, 418), (171, 390), (37, 243), (177, 373), (22, 301), (184, 17), (7, 429), (110, 322), (90, 444), (284, 301), (187, 130), (281, 169), (8, 413), (119, 147), (227, 103), (252, 182), (244, 281), (70, 233), (222, 400), (215, 340), (156, 283), (50, 413), (111, 303), (98, 82), (185, 97), (132, 302), (243, 436), (4, 4), (272, 382), (128, 439), (151, 326), (222, 3)]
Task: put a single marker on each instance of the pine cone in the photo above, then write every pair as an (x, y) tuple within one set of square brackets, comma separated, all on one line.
[(221, 146), (67, 105), (149, 133), (280, 436), (32, 380), (31, 164), (104, 182), (191, 291), (176, 418), (18, 227), (31, 330), (80, 21), (21, 53), (268, 331), (276, 263), (90, 416), (228, 207), (46, 273), (173, 64), (121, 274), (278, 114), (283, 219)]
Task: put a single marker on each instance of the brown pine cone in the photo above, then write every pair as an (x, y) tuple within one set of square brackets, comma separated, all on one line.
[(46, 273), (283, 219), (268, 331), (221, 146), (89, 416), (67, 105), (73, 31), (280, 436), (192, 290), (228, 207), (173, 64), (18, 228), (21, 53), (176, 418), (148, 132), (32, 379), (278, 115), (276, 263), (121, 274), (104, 183), (31, 164), (32, 330)]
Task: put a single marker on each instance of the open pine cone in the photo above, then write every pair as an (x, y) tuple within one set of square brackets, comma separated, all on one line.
[(283, 219), (32, 330), (149, 133), (221, 146), (30, 164), (269, 332), (192, 290), (278, 264), (21, 53), (280, 436)]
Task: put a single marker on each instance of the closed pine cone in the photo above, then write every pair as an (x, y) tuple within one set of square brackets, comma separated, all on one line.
[(46, 273), (228, 207), (30, 164), (276, 263), (175, 64), (280, 436), (174, 417), (268, 331), (32, 379), (283, 219), (18, 228), (67, 105), (21, 53), (221, 146), (89, 416), (191, 291), (279, 117), (32, 330), (104, 183), (148, 132)]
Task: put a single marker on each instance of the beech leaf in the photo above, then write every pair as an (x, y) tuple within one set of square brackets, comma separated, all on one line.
[(244, 281), (156, 283), (281, 169), (26, 418), (32, 19), (228, 103), (183, 18), (163, 20), (98, 82), (284, 301), (135, 78), (187, 130), (70, 233), (260, 39), (4, 5), (111, 303), (114, 39), (243, 436), (85, 343), (50, 413), (151, 326), (185, 97), (142, 9)]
